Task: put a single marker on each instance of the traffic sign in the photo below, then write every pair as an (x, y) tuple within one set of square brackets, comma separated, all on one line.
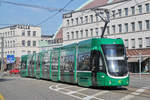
[(10, 58)]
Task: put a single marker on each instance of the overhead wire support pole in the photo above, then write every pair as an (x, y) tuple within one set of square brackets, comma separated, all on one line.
[(106, 20), (2, 54)]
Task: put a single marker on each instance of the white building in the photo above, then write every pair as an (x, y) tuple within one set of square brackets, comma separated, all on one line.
[(20, 39), (129, 20)]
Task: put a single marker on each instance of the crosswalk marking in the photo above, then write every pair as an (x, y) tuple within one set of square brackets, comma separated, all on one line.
[(83, 96), (72, 92), (133, 94), (94, 96)]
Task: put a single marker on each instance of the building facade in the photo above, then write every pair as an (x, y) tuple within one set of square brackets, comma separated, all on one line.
[(49, 42), (129, 20), (20, 40)]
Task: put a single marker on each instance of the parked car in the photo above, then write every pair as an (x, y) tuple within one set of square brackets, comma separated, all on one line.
[(14, 71)]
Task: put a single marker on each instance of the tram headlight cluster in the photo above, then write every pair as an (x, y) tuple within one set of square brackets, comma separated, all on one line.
[(109, 82)]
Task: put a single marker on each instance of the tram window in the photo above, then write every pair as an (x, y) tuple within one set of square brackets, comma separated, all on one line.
[(84, 62)]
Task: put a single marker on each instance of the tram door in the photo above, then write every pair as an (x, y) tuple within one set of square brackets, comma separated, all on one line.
[(94, 60)]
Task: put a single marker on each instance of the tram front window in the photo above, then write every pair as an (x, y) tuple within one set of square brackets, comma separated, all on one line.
[(115, 59)]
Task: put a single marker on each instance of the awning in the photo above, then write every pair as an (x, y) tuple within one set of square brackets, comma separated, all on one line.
[(136, 59)]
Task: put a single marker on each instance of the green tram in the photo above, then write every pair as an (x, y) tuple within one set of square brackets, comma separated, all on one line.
[(93, 62)]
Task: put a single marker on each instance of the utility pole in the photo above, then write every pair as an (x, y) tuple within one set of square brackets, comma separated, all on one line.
[(98, 12), (2, 53)]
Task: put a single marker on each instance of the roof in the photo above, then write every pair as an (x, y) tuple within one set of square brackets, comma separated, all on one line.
[(96, 3), (137, 52), (59, 33)]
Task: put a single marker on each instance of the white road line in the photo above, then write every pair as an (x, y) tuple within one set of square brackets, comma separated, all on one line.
[(57, 87), (133, 94), (94, 96), (72, 92)]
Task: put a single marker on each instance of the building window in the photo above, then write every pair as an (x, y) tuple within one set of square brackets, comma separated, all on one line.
[(91, 32), (97, 17), (133, 43), (29, 33), (5, 44), (126, 27), (120, 28), (77, 34), (34, 52), (91, 16), (133, 10), (86, 19), (147, 24), (72, 35), (113, 14), (147, 7), (140, 25), (81, 33), (126, 11), (29, 52), (68, 36), (13, 43), (119, 12), (113, 29), (77, 21), (133, 26), (72, 21), (14, 52), (102, 29), (86, 31), (147, 41), (23, 33), (140, 42), (108, 32), (29, 43), (34, 33), (34, 43), (96, 30), (13, 32), (126, 43), (23, 42), (67, 22), (81, 19), (140, 9)]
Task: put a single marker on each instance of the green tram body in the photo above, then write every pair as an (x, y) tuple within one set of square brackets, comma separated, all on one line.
[(93, 62)]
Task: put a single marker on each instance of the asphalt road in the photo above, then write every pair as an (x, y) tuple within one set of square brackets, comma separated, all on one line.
[(17, 88)]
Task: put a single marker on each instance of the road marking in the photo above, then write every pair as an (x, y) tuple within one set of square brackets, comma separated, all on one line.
[(94, 96), (133, 94), (1, 97), (72, 92), (76, 94), (57, 87)]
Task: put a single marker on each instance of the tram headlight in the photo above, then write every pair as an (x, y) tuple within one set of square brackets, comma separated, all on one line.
[(109, 82)]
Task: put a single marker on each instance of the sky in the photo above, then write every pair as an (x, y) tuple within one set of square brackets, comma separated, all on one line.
[(13, 14)]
